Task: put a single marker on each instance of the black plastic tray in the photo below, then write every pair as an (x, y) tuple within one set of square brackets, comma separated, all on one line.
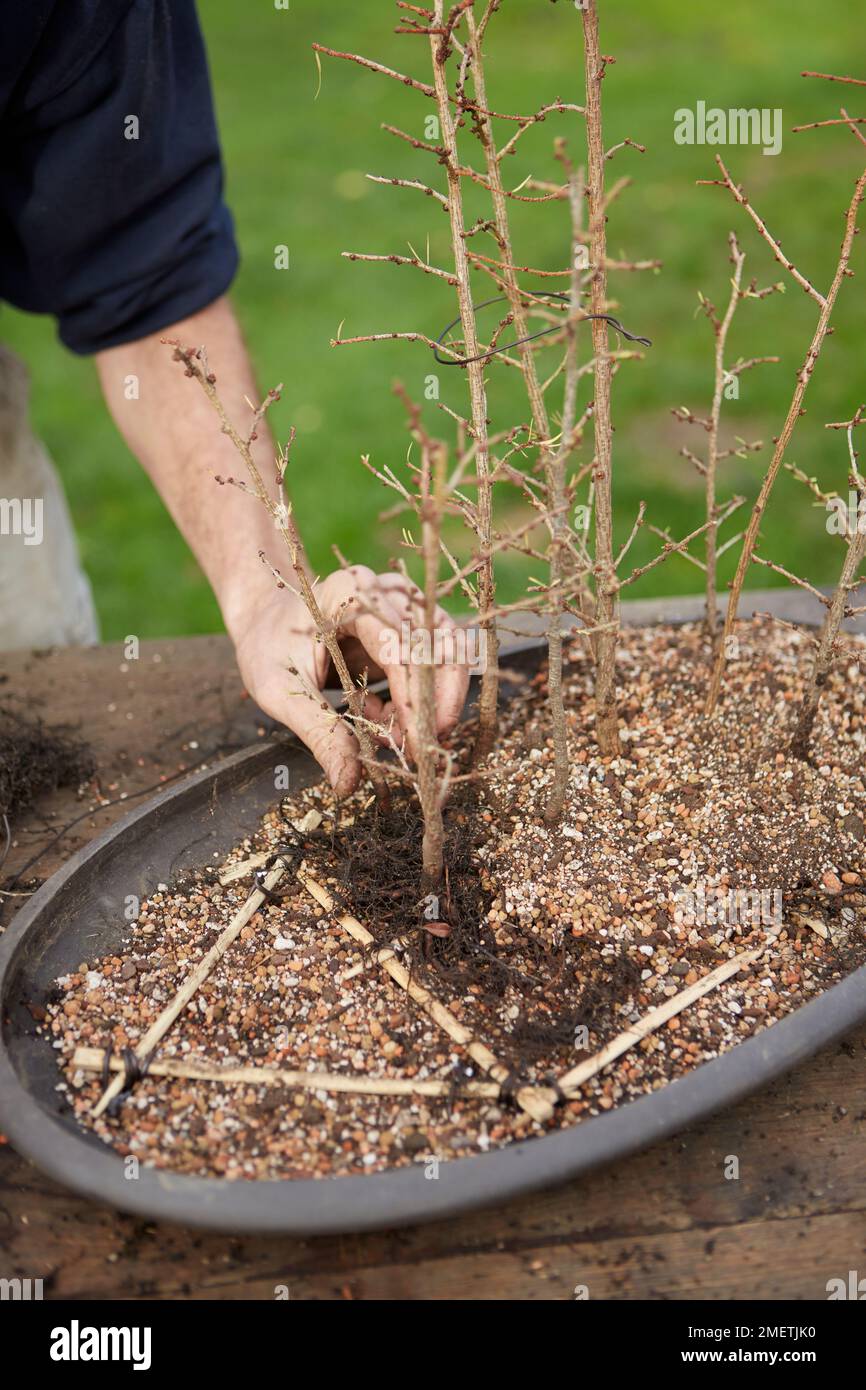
[(77, 915)]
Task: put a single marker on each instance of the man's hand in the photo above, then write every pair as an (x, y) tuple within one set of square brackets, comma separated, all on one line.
[(370, 610), (170, 425)]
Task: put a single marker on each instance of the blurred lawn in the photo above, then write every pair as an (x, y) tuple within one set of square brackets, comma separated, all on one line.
[(295, 170)]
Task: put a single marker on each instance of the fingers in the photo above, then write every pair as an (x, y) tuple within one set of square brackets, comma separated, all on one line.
[(357, 599), (383, 613), (335, 749), (382, 713), (452, 686), (452, 676), (328, 737)]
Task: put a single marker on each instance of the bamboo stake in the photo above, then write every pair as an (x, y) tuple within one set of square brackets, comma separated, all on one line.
[(93, 1059), (307, 823), (532, 1099), (196, 977), (572, 1080), (243, 868), (535, 1100)]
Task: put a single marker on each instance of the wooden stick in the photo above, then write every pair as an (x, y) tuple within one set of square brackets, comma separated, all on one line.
[(535, 1100), (196, 977), (242, 869), (572, 1080), (304, 825), (93, 1059)]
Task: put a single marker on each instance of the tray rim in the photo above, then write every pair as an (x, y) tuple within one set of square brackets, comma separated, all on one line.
[(321, 1206)]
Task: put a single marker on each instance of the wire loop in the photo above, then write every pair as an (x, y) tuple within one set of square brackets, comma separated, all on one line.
[(530, 337)]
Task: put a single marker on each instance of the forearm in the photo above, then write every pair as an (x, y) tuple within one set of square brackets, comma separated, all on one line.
[(174, 432)]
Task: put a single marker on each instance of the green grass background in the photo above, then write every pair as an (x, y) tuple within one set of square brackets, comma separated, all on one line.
[(295, 166)]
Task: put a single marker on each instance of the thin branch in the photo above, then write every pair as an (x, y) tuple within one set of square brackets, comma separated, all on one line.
[(530, 121), (792, 578), (803, 378), (409, 183), (721, 330), (830, 77), (727, 182), (401, 260), (673, 547), (837, 607)]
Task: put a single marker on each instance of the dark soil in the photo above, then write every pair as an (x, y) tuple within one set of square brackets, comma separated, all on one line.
[(36, 758)]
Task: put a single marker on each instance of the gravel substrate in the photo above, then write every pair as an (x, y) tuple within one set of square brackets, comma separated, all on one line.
[(592, 920)]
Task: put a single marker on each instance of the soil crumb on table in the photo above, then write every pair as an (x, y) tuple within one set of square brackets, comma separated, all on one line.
[(701, 840)]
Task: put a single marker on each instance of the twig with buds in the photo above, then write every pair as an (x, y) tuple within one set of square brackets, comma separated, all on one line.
[(708, 468), (804, 376), (195, 363), (838, 606)]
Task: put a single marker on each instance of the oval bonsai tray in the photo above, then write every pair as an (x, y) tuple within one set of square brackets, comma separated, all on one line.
[(77, 914)]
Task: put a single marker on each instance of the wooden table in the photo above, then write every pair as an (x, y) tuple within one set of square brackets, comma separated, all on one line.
[(666, 1224)]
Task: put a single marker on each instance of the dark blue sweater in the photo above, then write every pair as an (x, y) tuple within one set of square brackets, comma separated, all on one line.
[(115, 236)]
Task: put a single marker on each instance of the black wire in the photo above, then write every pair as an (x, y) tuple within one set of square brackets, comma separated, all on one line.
[(530, 337), (134, 1070), (293, 854)]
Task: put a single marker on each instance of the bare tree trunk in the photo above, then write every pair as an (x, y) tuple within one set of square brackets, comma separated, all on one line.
[(607, 604), (487, 707), (556, 501), (553, 461), (430, 783), (721, 331), (803, 378)]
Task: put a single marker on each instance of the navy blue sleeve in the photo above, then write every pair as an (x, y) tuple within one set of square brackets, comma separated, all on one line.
[(111, 192)]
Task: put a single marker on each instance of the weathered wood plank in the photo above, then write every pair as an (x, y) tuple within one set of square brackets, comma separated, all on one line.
[(802, 1159)]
